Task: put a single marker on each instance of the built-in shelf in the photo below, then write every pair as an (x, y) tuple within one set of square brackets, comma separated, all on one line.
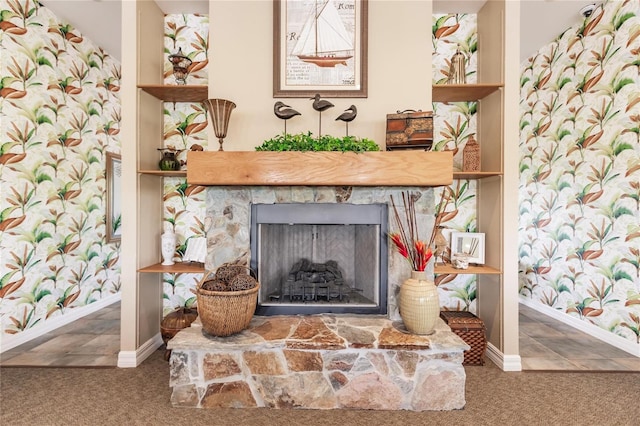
[(175, 93), (475, 175), (165, 173), (462, 92), (177, 268), (448, 269)]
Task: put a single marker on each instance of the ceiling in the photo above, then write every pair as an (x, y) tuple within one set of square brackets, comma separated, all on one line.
[(541, 20)]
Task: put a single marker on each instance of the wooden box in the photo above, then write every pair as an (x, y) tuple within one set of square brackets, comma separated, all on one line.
[(471, 329), (410, 129)]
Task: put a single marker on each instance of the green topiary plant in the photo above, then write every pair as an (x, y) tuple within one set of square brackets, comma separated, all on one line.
[(307, 142)]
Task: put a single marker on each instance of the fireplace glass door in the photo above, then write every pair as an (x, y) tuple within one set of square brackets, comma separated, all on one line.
[(315, 258)]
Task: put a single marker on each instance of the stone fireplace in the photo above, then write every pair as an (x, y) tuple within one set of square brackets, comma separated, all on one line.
[(321, 360), (229, 239)]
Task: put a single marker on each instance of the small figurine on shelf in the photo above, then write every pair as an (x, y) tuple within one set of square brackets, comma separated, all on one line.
[(457, 71), (441, 245)]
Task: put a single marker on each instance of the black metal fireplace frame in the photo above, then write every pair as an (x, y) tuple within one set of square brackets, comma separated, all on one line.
[(286, 213)]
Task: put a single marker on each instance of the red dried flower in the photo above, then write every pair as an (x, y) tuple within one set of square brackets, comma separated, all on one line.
[(407, 241)]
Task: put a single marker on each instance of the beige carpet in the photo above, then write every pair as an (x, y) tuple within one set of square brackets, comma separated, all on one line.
[(140, 396)]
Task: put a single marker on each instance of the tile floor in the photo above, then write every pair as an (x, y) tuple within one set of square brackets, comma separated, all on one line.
[(545, 344), (91, 341)]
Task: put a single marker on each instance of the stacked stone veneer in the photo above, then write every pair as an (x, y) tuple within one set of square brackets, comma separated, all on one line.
[(228, 220), (319, 362)]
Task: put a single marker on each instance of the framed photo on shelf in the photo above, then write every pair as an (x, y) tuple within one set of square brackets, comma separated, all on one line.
[(320, 46), (470, 244), (113, 202)]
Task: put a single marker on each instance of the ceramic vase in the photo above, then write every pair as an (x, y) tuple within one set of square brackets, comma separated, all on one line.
[(168, 246), (419, 304)]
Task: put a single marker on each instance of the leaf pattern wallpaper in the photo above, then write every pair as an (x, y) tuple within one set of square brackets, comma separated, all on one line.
[(453, 124), (60, 114), (579, 246), (185, 124)]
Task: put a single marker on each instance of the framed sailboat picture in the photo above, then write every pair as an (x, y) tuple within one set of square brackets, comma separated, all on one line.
[(320, 46)]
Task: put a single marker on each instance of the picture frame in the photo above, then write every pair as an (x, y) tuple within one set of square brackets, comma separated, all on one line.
[(339, 73), (113, 173), (470, 244)]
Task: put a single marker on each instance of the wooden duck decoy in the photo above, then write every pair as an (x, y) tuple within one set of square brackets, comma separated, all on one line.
[(320, 105), (284, 112), (348, 115)]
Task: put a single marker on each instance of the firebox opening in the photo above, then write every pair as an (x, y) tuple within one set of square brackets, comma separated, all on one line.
[(320, 258)]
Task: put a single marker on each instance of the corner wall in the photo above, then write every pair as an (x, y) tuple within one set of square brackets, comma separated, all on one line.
[(579, 171), (60, 115)]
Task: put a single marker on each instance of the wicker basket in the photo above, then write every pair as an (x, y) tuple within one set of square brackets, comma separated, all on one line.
[(471, 329), (224, 313)]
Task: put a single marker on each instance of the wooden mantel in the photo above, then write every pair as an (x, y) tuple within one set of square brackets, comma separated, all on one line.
[(383, 168)]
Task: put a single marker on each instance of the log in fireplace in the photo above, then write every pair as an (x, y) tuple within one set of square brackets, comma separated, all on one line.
[(320, 257)]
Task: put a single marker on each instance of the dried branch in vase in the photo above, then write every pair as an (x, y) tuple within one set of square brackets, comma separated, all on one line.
[(407, 241)]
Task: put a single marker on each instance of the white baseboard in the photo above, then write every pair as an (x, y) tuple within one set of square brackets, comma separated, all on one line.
[(592, 330), (504, 362), (10, 341), (132, 359)]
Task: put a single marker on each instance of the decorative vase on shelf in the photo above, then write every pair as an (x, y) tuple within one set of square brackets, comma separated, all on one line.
[(419, 304), (457, 71), (168, 245), (220, 113), (169, 161), (471, 156)]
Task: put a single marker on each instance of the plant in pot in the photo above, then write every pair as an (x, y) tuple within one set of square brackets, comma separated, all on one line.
[(307, 142)]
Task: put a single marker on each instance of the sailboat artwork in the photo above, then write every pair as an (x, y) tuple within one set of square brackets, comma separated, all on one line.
[(320, 46), (324, 40)]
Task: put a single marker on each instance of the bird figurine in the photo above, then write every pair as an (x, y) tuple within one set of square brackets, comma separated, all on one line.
[(320, 105), (348, 115), (284, 112)]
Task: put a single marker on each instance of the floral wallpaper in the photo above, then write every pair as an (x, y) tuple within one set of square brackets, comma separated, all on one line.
[(185, 125), (60, 114), (580, 172), (454, 123)]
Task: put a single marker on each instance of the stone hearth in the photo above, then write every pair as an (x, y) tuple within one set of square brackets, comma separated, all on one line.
[(322, 361)]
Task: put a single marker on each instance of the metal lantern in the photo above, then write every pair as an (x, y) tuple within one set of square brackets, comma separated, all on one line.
[(180, 66)]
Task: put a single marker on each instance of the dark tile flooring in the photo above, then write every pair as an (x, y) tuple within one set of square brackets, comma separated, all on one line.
[(545, 344)]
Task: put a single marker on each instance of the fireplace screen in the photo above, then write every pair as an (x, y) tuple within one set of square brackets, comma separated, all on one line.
[(315, 258)]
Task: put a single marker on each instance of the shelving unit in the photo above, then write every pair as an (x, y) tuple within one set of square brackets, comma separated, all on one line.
[(142, 96), (172, 93), (497, 94)]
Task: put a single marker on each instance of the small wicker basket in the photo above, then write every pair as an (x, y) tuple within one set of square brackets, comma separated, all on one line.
[(224, 313)]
